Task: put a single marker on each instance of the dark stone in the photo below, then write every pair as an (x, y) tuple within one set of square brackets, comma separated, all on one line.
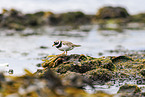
[(75, 80), (74, 63), (112, 12), (70, 18), (52, 80), (129, 89), (138, 18), (102, 75), (43, 47), (109, 66), (121, 58), (38, 65), (143, 72)]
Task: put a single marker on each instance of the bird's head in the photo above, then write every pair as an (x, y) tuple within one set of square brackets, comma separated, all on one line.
[(56, 43)]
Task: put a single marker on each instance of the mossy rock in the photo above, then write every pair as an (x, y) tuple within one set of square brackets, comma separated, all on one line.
[(33, 20), (70, 18), (129, 89), (41, 18), (63, 68), (107, 63), (138, 18), (16, 26), (109, 66), (102, 75), (77, 63), (143, 94), (121, 75), (79, 67), (121, 59), (73, 79), (112, 12), (74, 63), (96, 69), (63, 59), (142, 72), (27, 20)]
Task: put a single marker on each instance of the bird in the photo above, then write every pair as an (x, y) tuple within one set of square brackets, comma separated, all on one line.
[(64, 45)]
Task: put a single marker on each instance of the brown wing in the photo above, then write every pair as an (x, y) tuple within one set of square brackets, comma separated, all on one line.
[(69, 44)]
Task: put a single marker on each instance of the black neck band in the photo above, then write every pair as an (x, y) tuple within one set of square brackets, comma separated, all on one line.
[(59, 45)]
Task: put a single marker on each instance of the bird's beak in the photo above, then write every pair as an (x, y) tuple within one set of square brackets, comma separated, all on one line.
[(52, 45)]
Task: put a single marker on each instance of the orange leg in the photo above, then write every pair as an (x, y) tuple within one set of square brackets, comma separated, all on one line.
[(66, 53), (62, 53)]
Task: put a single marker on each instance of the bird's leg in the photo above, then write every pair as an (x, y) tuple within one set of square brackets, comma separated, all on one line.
[(62, 53), (66, 53)]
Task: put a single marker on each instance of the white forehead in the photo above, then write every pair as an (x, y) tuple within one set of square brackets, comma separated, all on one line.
[(58, 42)]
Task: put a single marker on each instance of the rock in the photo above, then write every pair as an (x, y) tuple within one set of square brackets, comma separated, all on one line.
[(112, 12), (14, 19), (98, 70), (70, 18), (107, 63), (138, 18), (16, 26), (74, 63), (32, 85), (143, 94), (53, 81), (121, 59), (142, 72), (100, 75), (129, 91), (43, 47), (74, 79)]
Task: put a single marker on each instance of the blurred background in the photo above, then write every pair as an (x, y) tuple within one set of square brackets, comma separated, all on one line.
[(59, 6), (103, 28)]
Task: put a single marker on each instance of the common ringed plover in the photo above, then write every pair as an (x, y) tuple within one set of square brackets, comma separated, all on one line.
[(64, 45)]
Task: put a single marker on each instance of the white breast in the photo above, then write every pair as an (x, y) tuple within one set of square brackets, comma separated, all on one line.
[(65, 48)]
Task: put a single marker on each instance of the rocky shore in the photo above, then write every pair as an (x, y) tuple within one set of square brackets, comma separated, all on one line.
[(108, 18), (66, 76)]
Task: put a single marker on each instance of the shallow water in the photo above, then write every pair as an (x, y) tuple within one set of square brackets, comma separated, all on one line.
[(25, 52)]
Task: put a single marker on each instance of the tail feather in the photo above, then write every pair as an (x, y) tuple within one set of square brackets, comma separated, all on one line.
[(77, 45)]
